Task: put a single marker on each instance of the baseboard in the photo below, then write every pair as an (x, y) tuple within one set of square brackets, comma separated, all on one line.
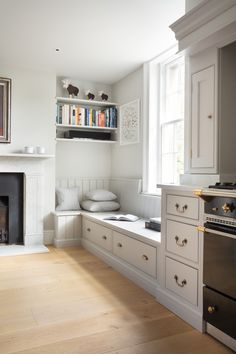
[(48, 237), (222, 337), (187, 313), (67, 243), (138, 277)]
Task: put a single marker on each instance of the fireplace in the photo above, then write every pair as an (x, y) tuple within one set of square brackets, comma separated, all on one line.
[(4, 229), (11, 208)]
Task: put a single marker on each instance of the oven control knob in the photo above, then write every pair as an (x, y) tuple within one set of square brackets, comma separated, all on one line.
[(211, 309), (228, 208)]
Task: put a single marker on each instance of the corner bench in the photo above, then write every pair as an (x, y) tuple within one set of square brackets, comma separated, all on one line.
[(126, 246)]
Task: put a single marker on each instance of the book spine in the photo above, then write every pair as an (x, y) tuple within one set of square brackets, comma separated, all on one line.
[(103, 118), (77, 115), (107, 118), (82, 116), (90, 117), (93, 118)]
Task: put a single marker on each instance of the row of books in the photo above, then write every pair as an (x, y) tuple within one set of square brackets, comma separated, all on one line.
[(80, 116)]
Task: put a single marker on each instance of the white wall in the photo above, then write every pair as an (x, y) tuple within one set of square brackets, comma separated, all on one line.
[(127, 160), (82, 160), (32, 122)]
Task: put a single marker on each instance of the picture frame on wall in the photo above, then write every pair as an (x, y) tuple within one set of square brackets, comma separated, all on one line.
[(129, 122), (5, 110)]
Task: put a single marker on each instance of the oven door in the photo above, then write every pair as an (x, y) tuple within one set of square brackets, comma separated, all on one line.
[(219, 268)]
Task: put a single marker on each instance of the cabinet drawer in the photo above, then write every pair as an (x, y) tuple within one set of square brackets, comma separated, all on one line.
[(182, 239), (182, 280), (186, 207), (98, 234), (137, 253)]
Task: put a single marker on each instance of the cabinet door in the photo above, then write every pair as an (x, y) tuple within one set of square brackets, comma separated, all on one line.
[(203, 119)]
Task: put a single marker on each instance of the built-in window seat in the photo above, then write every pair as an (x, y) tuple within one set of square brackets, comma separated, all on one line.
[(126, 246)]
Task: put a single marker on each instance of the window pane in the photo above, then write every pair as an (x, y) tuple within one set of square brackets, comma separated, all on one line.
[(167, 138)]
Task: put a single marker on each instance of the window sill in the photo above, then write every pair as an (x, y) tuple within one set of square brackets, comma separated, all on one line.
[(152, 194)]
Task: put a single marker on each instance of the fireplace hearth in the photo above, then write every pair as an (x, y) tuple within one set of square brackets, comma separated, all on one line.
[(11, 208)]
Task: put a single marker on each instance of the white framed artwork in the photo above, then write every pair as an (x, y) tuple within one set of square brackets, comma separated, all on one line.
[(129, 122)]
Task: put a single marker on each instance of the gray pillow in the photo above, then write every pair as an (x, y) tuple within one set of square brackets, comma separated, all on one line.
[(99, 206), (68, 199), (99, 195)]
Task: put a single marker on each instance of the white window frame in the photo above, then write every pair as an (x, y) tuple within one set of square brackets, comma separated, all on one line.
[(151, 119)]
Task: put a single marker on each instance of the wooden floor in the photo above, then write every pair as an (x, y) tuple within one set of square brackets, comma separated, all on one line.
[(68, 301)]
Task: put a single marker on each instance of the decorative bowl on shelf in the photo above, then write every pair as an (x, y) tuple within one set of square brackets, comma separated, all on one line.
[(28, 150)]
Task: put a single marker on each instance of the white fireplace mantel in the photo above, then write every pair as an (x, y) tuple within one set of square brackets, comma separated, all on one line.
[(33, 169), (26, 156)]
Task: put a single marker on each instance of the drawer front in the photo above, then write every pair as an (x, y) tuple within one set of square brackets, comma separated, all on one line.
[(186, 207), (182, 280), (137, 253), (98, 234), (182, 239)]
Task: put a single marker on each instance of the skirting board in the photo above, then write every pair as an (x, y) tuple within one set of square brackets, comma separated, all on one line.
[(187, 313), (222, 337), (139, 278), (67, 243), (48, 236)]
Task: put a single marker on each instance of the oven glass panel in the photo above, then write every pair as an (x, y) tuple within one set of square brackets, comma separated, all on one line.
[(220, 263)]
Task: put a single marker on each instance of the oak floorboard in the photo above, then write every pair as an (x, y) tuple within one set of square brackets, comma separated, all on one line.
[(68, 301)]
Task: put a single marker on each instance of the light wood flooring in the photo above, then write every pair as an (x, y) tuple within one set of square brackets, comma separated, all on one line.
[(70, 302)]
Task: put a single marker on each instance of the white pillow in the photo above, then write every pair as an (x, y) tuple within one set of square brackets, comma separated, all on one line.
[(90, 205), (68, 199), (100, 195)]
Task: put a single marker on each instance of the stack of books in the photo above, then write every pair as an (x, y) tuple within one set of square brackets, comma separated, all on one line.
[(81, 116), (153, 224)]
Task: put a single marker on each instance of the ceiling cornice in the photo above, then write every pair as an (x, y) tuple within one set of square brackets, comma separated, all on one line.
[(204, 20)]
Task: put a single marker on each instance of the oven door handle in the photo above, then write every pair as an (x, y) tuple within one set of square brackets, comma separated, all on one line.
[(215, 232)]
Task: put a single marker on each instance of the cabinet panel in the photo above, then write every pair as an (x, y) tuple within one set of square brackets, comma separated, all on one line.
[(135, 252), (182, 280), (203, 119), (182, 239)]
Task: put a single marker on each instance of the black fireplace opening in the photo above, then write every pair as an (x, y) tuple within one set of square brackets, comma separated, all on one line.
[(11, 208), (4, 228)]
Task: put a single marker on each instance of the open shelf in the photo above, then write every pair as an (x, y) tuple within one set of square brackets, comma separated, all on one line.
[(81, 127), (84, 102), (86, 141)]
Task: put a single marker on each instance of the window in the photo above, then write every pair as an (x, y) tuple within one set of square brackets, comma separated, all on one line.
[(164, 124), (172, 121)]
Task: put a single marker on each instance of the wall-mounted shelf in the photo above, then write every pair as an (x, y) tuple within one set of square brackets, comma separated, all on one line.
[(85, 141), (84, 102), (80, 127), (22, 155)]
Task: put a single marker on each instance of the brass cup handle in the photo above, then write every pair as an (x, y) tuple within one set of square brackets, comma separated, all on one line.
[(104, 237), (145, 257), (180, 284), (211, 309), (179, 209), (119, 244), (88, 229), (180, 244)]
